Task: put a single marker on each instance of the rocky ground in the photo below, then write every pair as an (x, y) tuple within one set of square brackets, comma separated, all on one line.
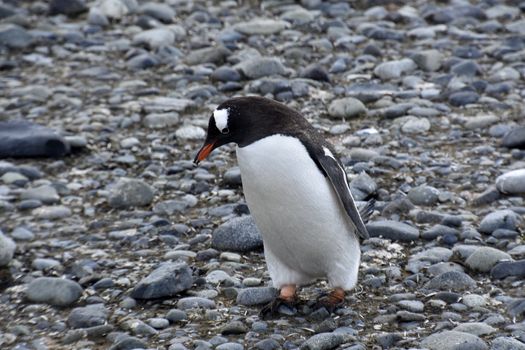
[(125, 244)]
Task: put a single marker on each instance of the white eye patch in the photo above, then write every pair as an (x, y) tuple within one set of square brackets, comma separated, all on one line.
[(221, 119)]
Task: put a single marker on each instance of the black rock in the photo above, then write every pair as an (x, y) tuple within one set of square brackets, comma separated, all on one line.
[(508, 268), (22, 139), (515, 138), (70, 8), (315, 72), (239, 235), (167, 280)]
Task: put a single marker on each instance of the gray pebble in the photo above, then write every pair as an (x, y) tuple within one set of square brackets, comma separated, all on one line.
[(130, 193), (449, 340), (7, 249), (53, 291), (165, 281), (239, 234), (256, 295), (88, 316), (393, 230)]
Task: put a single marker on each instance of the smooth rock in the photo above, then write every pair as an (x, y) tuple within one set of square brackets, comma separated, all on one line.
[(88, 316), (259, 67), (260, 26), (512, 182), (393, 230), (476, 328), (45, 193), (508, 268), (395, 69), (256, 296), (190, 132), (14, 36), (452, 340), (485, 258), (238, 234), (195, 303), (500, 219), (69, 8), (165, 281), (451, 280), (323, 341), (428, 60), (129, 193), (154, 38), (115, 9), (347, 107), (514, 138), (7, 249), (53, 291), (507, 343)]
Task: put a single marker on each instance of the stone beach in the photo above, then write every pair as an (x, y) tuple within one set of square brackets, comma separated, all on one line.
[(110, 237)]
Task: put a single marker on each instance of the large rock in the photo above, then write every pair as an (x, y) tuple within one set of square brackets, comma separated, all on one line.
[(22, 139), (7, 249), (14, 37), (512, 182), (323, 341), (515, 138), (508, 268), (166, 281), (261, 26), (347, 107), (507, 343), (258, 67), (129, 193), (256, 295), (452, 340), (501, 219), (395, 69), (53, 291), (69, 8), (451, 280), (45, 193), (88, 316), (238, 234), (485, 258), (394, 230), (154, 38)]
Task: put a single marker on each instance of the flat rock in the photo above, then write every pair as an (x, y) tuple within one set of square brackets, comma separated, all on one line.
[(501, 219), (22, 139), (476, 328), (129, 193), (195, 303), (14, 36), (395, 69), (45, 193), (261, 26), (7, 249), (69, 8), (485, 258), (514, 138), (53, 291), (115, 9), (323, 341), (256, 296), (165, 281), (347, 107), (508, 268), (453, 340), (512, 182), (507, 343), (451, 280), (88, 316), (393, 230), (154, 38), (238, 234), (258, 67)]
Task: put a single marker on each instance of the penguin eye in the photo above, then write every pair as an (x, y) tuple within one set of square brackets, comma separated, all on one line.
[(225, 131)]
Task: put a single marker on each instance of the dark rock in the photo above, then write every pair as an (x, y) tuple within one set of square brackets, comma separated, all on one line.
[(315, 72), (256, 296), (393, 230), (128, 343), (70, 8), (88, 316), (508, 268), (323, 341), (239, 234), (515, 138), (22, 139), (167, 280), (234, 327), (14, 37), (451, 280), (501, 219), (53, 291)]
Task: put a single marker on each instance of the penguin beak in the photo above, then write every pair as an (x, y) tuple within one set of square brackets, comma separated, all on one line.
[(204, 152)]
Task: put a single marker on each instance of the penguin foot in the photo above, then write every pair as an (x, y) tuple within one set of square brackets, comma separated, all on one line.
[(277, 307), (331, 301)]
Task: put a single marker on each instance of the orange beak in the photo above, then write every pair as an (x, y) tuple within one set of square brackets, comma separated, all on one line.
[(204, 152)]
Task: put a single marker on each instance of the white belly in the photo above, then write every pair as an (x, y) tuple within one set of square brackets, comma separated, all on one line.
[(305, 230)]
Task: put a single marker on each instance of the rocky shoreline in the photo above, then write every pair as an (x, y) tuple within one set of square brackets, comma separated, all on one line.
[(124, 244)]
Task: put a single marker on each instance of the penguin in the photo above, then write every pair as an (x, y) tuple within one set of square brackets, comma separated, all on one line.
[(298, 194)]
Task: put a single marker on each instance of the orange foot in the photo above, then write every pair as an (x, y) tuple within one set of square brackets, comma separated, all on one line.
[(286, 298), (332, 300)]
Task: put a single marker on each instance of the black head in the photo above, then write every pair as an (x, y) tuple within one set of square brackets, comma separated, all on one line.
[(244, 120)]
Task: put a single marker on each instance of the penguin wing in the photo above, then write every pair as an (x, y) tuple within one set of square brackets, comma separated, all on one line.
[(337, 175)]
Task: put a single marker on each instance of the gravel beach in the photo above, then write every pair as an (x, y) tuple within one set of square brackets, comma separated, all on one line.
[(110, 237)]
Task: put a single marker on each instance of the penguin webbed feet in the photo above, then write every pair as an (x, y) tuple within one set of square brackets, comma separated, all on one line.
[(278, 307), (331, 301)]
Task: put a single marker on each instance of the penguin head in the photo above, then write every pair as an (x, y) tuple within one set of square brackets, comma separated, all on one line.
[(244, 120)]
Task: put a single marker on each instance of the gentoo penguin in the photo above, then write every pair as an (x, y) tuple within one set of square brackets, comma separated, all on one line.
[(297, 192)]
